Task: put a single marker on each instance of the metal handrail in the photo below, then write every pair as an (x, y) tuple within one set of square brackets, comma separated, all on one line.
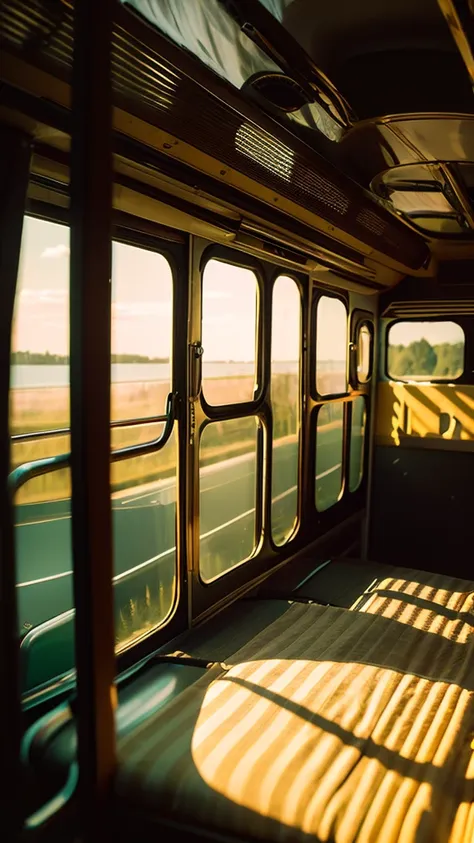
[(64, 431), (36, 468)]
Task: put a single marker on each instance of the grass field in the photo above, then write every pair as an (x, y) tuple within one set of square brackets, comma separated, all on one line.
[(47, 408)]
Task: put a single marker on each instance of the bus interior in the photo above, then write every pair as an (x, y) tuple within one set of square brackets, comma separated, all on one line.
[(237, 421)]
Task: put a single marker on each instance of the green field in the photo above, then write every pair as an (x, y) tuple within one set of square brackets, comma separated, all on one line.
[(47, 408)]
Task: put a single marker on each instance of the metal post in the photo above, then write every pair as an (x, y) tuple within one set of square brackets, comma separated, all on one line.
[(90, 314), (14, 173)]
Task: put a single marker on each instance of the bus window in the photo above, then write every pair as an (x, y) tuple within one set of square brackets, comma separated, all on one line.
[(425, 351), (39, 404), (364, 354), (329, 448), (227, 495), (229, 333), (39, 378), (331, 346), (143, 487), (142, 299), (285, 398), (357, 442)]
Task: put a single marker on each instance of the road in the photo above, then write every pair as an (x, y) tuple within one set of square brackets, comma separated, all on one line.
[(144, 531)]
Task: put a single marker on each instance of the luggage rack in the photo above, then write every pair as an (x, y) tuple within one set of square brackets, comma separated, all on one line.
[(166, 87)]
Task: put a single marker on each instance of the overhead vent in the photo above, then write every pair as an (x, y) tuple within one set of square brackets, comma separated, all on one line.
[(150, 83), (262, 149), (279, 90), (429, 309)]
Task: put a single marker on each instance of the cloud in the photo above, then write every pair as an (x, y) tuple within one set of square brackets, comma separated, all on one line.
[(59, 251)]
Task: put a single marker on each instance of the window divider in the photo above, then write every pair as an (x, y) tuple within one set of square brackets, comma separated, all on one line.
[(14, 173)]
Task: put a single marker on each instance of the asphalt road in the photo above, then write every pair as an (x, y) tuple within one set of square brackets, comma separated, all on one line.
[(144, 527)]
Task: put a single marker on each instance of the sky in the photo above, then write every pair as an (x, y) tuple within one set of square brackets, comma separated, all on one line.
[(142, 304)]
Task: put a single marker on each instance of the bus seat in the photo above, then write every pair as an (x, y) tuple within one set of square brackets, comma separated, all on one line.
[(324, 721), (435, 602), (329, 725), (49, 746)]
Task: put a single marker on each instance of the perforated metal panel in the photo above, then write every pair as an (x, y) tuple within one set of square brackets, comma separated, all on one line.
[(153, 88)]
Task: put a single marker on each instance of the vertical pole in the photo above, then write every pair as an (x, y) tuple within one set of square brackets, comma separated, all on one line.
[(14, 173), (90, 314)]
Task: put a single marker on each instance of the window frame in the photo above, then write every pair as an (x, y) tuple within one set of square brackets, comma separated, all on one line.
[(206, 414), (281, 272), (171, 260), (364, 323), (364, 396), (359, 318), (344, 457), (121, 233), (207, 599), (174, 246), (245, 261), (257, 521), (319, 293), (461, 378)]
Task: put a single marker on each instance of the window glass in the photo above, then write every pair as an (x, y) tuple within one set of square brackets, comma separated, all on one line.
[(329, 444), (39, 376), (331, 346), (144, 532), (285, 397), (39, 401), (364, 353), (358, 423), (43, 550), (229, 325), (412, 202), (227, 494), (143, 488), (141, 337), (439, 225), (425, 350)]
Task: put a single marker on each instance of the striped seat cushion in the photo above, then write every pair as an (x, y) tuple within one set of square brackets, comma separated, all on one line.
[(328, 726), (433, 602)]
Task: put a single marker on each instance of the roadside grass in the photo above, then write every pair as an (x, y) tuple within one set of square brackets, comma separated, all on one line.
[(47, 408)]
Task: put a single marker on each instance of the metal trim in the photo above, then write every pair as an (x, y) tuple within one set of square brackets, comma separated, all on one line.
[(90, 319), (457, 17), (14, 174)]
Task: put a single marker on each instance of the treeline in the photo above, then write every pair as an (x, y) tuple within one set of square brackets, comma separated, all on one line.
[(137, 358), (35, 358), (422, 358), (32, 358)]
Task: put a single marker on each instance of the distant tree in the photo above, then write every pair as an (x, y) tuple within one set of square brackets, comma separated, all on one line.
[(45, 358), (421, 358), (450, 359), (424, 357)]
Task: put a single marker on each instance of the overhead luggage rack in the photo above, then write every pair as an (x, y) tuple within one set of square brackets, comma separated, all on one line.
[(164, 86)]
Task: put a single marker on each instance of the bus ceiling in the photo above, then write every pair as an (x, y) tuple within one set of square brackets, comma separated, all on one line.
[(355, 123)]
